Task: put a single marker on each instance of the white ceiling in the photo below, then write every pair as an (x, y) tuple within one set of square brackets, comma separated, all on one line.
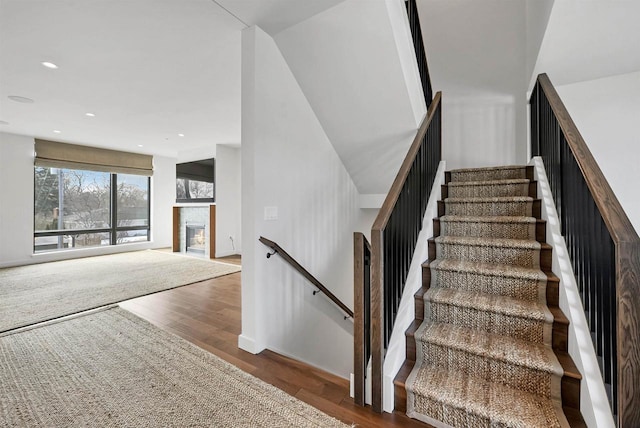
[(148, 69)]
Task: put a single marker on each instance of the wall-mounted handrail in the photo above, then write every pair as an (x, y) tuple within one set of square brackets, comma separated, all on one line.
[(362, 314), (297, 266), (418, 46), (603, 246), (394, 235)]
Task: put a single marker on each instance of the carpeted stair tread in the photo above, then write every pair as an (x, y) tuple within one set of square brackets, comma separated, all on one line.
[(488, 173), (490, 278), (521, 252), (493, 188), (489, 303), (490, 182), (492, 199), (510, 227), (497, 358), (490, 313), (490, 269), (489, 206), (488, 219), (475, 241), (459, 400)]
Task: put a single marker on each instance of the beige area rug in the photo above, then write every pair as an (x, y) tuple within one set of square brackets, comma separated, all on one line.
[(111, 368), (35, 293)]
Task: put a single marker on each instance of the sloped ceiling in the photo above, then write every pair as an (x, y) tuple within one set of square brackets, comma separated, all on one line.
[(346, 62)]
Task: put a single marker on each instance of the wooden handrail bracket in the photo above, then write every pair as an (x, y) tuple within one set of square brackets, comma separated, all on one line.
[(312, 279)]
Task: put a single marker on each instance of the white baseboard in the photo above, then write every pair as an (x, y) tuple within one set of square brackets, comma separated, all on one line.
[(227, 253), (248, 344)]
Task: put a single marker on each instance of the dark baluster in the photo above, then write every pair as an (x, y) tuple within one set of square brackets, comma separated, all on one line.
[(589, 243), (418, 45), (613, 357)]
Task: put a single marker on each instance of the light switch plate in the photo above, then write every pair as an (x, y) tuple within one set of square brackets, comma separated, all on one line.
[(270, 213)]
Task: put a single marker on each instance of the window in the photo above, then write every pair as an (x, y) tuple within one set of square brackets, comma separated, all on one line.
[(79, 208), (195, 181)]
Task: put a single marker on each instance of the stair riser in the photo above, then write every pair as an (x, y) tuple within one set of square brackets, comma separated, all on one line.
[(491, 322), (552, 294), (559, 333), (503, 255), (528, 174), (536, 209), (519, 377), (531, 190), (483, 191), (570, 386), (488, 230), (489, 175), (503, 208), (523, 289), (545, 255), (540, 234)]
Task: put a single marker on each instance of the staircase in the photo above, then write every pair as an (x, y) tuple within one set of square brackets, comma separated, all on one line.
[(488, 346)]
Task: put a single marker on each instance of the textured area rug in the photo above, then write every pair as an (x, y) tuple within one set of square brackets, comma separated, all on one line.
[(35, 293), (112, 368)]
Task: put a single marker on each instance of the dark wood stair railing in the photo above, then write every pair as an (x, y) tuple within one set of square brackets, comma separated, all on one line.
[(380, 271), (604, 248), (394, 235), (277, 249), (362, 314), (418, 46)]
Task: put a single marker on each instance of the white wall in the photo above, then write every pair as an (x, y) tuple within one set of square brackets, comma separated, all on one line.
[(479, 131), (288, 162), (16, 196), (477, 58), (163, 197), (16, 211), (590, 39), (361, 87), (537, 18), (606, 112), (228, 198)]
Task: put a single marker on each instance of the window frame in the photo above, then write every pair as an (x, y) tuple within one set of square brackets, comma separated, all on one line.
[(113, 218)]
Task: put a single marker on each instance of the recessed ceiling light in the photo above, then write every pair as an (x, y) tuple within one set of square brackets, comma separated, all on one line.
[(20, 99), (49, 65), (180, 135), (140, 145), (90, 114), (55, 131), (3, 122)]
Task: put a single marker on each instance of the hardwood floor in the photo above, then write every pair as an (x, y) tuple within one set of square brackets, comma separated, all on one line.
[(208, 314)]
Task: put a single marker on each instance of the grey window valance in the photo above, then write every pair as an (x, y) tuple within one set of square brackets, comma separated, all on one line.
[(63, 155)]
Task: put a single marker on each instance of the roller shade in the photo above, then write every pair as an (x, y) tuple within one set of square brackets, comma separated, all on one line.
[(62, 155)]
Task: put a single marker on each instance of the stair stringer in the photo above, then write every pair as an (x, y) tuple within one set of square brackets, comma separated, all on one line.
[(594, 405), (396, 351)]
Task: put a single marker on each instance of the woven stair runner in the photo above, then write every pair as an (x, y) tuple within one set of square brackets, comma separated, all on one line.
[(483, 352)]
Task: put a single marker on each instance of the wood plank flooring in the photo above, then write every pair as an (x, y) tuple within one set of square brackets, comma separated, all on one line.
[(208, 314)]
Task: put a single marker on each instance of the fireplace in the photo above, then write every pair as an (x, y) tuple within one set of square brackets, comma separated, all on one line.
[(196, 238)]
